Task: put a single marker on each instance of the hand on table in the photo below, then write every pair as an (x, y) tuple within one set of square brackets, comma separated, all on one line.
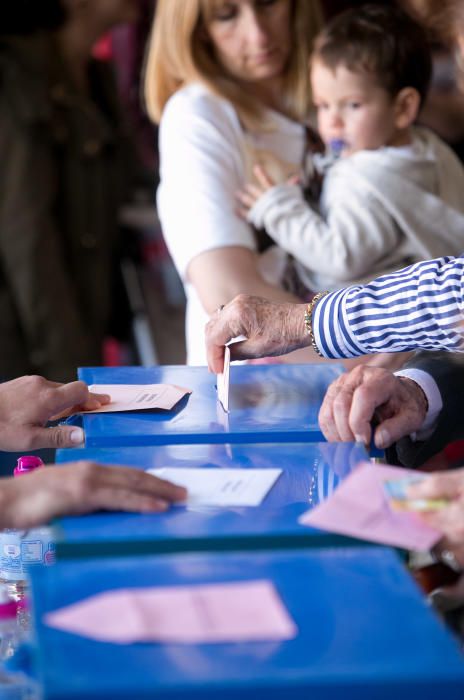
[(354, 399), (27, 403), (82, 487)]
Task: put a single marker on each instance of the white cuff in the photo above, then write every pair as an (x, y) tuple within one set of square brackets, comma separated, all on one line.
[(435, 404)]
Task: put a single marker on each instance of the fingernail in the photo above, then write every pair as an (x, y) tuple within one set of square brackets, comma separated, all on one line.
[(382, 438), (77, 436), (361, 438)]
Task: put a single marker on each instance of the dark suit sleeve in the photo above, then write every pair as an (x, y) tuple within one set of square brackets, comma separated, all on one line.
[(448, 371)]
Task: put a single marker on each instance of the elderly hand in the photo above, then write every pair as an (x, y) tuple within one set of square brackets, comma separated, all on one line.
[(270, 328), (450, 518), (27, 403), (81, 487), (354, 399)]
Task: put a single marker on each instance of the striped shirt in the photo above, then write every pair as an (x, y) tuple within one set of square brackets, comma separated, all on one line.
[(418, 307)]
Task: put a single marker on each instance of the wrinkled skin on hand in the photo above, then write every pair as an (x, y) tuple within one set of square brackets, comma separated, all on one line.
[(354, 399), (271, 329)]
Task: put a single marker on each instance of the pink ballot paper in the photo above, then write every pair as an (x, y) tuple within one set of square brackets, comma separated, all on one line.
[(138, 397), (360, 508), (223, 378), (207, 613)]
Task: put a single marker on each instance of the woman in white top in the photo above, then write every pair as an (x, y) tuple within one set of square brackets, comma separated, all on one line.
[(228, 80)]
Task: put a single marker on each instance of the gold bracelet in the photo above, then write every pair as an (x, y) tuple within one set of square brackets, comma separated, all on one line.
[(308, 320)]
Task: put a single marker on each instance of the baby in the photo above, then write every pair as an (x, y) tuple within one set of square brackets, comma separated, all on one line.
[(392, 193)]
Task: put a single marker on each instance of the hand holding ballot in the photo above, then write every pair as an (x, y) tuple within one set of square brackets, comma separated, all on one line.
[(28, 403), (360, 508), (399, 507), (270, 329), (449, 519)]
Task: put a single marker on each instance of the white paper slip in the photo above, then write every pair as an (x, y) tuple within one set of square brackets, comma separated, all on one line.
[(138, 397), (223, 378), (222, 487)]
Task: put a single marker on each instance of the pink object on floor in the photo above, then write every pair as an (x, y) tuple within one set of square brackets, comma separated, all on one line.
[(359, 508), (207, 613)]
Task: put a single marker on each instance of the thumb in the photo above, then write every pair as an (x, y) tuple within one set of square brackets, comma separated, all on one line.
[(56, 437), (392, 429)]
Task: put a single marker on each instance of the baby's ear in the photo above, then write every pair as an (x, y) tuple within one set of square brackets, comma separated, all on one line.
[(407, 104)]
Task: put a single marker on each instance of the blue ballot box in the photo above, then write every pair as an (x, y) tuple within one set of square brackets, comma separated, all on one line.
[(310, 472), (268, 403), (364, 632)]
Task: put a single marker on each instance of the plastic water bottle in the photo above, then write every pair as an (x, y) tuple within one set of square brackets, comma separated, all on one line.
[(14, 684), (20, 549), (9, 630)]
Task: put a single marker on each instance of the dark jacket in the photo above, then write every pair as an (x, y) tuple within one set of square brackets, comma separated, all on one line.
[(63, 174), (448, 371)]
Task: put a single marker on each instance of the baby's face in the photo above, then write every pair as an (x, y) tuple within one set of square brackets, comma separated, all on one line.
[(354, 113)]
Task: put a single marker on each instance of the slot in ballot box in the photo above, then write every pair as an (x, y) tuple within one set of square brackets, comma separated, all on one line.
[(268, 403), (310, 472), (364, 631)]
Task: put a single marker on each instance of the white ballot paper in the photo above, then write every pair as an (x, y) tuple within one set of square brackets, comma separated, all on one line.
[(224, 376), (221, 487), (138, 397)]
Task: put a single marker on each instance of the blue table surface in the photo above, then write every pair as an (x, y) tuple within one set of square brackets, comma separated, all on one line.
[(364, 632), (268, 403), (310, 473)]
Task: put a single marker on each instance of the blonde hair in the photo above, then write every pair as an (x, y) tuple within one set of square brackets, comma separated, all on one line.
[(178, 55)]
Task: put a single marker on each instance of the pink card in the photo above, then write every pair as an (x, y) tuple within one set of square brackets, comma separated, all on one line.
[(138, 397), (360, 508), (208, 613)]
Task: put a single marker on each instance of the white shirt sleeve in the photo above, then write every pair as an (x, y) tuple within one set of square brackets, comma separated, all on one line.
[(435, 404), (201, 169)]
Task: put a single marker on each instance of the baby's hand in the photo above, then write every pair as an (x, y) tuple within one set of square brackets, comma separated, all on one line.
[(252, 191)]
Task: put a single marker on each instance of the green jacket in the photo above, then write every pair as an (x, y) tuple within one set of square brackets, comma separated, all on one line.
[(64, 162)]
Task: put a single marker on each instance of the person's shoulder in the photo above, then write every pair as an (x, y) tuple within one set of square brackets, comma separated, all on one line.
[(196, 100)]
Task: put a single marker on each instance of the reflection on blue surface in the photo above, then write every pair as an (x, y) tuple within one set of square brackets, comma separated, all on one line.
[(310, 473), (268, 403), (364, 632)]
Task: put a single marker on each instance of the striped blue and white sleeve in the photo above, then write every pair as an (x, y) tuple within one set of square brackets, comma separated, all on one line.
[(418, 307)]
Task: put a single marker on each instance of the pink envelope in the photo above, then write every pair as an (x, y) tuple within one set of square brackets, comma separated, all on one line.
[(359, 508), (208, 613)]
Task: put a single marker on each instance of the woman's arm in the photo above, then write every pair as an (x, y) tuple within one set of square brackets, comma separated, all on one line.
[(219, 275)]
